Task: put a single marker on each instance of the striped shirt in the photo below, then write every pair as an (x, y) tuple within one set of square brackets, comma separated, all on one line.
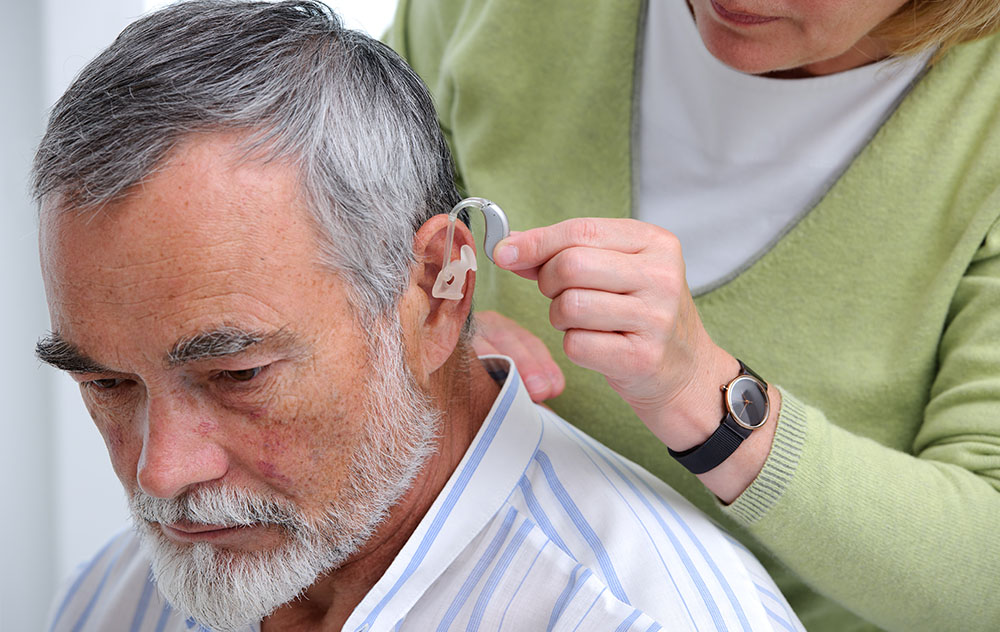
[(539, 528)]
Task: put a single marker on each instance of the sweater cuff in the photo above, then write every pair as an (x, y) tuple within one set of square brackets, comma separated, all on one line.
[(779, 468)]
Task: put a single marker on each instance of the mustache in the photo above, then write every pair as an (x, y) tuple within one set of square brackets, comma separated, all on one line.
[(223, 506)]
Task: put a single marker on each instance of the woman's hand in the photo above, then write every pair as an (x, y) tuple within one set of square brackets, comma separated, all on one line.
[(498, 334), (619, 293)]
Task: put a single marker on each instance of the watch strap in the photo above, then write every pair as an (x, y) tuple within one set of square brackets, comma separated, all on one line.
[(745, 370), (716, 449)]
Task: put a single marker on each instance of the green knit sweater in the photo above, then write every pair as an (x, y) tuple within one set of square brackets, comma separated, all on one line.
[(877, 314)]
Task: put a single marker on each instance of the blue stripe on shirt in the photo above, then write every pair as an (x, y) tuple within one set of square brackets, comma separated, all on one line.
[(143, 605), (535, 508), (691, 570), (785, 622), (497, 573), (475, 458), (164, 617), (777, 619), (572, 586), (603, 559), (696, 577), (79, 580), (627, 623), (736, 543), (477, 571), (93, 599), (521, 583), (592, 604)]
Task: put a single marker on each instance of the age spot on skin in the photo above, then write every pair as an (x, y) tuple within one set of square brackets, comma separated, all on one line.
[(115, 439), (257, 413), (269, 470)]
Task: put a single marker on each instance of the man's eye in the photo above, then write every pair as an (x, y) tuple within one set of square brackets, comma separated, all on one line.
[(105, 384), (243, 375)]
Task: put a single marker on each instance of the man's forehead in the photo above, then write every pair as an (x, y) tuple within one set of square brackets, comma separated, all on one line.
[(206, 177), (203, 209), (205, 241)]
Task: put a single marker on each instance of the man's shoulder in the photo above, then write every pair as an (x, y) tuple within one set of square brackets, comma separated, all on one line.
[(641, 541), (113, 591), (598, 472), (587, 540)]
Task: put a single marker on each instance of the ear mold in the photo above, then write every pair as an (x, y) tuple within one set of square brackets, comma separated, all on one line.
[(450, 280)]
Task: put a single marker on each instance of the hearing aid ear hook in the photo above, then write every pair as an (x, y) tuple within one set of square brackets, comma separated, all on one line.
[(450, 280)]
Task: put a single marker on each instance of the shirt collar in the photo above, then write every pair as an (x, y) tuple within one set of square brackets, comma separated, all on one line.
[(477, 489)]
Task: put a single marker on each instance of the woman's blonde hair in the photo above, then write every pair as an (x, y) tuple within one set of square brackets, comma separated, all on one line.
[(923, 24)]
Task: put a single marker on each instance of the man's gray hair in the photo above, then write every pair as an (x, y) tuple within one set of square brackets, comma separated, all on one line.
[(354, 118)]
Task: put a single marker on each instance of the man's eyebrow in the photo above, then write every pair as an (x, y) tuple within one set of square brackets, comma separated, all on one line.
[(225, 341), (55, 351)]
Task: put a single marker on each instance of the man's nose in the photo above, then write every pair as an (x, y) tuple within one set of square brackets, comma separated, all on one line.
[(180, 448)]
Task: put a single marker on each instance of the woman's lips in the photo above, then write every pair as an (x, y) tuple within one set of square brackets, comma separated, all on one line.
[(743, 19)]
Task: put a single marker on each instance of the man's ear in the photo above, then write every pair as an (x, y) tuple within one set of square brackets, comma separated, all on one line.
[(438, 321)]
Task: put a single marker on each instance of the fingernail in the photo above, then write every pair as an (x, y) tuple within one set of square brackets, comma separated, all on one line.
[(536, 383), (505, 255)]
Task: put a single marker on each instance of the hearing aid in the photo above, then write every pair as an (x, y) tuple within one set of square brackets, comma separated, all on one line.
[(451, 279)]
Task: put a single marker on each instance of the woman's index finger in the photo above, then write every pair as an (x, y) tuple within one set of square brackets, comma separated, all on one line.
[(532, 248)]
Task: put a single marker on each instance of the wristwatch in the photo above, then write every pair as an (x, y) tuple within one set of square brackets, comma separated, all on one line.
[(747, 407)]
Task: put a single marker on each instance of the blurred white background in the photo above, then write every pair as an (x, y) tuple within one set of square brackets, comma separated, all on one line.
[(61, 501)]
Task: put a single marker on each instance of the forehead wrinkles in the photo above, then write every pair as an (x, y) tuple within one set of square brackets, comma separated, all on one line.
[(132, 316), (203, 241), (204, 193), (129, 256)]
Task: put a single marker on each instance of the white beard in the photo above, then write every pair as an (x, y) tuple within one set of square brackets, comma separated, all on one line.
[(229, 590)]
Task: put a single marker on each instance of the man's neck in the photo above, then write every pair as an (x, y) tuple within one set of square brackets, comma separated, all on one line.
[(465, 392)]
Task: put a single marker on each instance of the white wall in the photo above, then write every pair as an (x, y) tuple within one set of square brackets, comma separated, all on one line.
[(61, 500), (26, 519)]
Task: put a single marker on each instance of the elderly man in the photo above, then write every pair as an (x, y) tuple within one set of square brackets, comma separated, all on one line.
[(240, 229)]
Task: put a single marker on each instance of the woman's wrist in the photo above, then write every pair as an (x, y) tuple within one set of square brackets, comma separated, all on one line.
[(690, 418)]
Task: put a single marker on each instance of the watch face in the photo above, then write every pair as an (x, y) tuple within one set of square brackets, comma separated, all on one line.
[(747, 402)]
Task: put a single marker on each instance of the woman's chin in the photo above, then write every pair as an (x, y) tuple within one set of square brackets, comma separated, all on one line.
[(777, 58), (744, 54)]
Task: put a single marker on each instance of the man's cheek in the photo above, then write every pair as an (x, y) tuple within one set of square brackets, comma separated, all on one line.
[(123, 450), (273, 473), (303, 444), (117, 428), (271, 454)]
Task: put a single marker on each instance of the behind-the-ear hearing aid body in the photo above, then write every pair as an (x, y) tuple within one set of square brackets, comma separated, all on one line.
[(450, 280)]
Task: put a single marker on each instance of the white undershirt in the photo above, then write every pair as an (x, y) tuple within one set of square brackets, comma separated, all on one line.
[(729, 161)]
